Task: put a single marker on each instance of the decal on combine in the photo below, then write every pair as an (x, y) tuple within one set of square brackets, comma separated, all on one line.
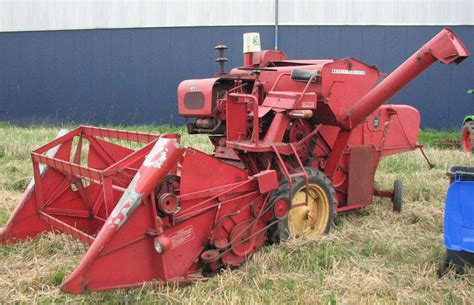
[(182, 236), (348, 72), (376, 122)]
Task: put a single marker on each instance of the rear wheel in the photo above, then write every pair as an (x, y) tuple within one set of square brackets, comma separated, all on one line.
[(310, 219), (467, 137), (397, 198)]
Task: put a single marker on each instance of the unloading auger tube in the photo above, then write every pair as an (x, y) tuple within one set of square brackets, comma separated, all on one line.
[(295, 141), (445, 47)]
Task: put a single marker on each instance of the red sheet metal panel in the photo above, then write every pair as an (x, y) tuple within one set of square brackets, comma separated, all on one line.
[(361, 175)]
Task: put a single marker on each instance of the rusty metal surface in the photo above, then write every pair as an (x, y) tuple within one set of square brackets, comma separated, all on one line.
[(361, 175)]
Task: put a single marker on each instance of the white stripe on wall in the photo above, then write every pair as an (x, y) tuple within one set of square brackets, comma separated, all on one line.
[(38, 15)]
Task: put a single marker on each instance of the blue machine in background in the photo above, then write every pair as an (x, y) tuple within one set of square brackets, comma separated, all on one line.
[(459, 221)]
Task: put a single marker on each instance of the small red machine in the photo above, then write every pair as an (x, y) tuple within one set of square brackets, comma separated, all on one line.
[(295, 142)]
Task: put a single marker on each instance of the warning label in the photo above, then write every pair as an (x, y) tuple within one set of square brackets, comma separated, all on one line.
[(181, 237)]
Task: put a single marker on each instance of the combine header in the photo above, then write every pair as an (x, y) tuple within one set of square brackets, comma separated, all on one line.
[(295, 141)]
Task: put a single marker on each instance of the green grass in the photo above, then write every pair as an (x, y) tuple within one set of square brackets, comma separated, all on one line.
[(371, 256), (442, 139)]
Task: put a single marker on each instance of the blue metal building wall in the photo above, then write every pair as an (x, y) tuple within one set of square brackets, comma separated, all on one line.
[(130, 76)]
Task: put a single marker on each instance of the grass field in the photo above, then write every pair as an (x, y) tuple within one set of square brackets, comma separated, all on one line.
[(371, 256)]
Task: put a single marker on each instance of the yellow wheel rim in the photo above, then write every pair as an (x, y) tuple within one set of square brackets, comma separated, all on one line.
[(309, 220)]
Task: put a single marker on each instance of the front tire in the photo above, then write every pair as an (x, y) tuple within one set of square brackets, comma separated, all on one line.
[(314, 218)]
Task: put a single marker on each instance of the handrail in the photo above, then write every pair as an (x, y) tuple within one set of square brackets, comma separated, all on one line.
[(310, 80)]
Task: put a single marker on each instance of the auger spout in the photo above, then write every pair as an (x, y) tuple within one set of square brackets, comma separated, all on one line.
[(445, 47)]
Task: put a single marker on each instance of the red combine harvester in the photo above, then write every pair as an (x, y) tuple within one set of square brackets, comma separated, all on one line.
[(295, 141)]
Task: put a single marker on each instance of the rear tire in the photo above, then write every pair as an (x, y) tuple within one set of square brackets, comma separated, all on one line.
[(467, 137), (397, 197)]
